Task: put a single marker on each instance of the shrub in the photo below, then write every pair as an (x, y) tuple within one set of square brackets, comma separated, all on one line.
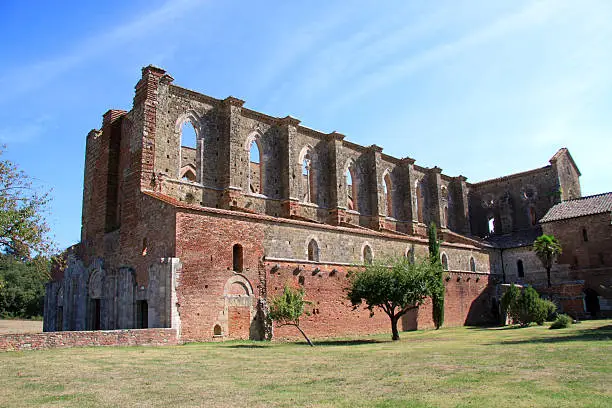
[(526, 307), (563, 321)]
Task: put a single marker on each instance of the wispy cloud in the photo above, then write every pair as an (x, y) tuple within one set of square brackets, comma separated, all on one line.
[(26, 132), (392, 72), (27, 78)]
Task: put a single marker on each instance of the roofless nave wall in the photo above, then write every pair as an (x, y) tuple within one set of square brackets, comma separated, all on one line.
[(197, 238)]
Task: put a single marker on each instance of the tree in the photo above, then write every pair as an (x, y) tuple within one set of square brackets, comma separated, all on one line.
[(395, 288), (287, 308), (23, 229), (547, 248), (526, 307), (437, 296), (22, 286)]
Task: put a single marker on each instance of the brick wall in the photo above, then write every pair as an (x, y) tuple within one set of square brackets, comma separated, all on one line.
[(39, 341)]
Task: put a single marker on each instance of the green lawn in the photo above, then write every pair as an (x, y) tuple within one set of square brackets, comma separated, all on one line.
[(456, 367)]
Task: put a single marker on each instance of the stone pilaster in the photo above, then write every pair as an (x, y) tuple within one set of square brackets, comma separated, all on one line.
[(290, 167)]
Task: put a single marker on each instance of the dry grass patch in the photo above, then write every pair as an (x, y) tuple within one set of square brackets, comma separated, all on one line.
[(20, 326)]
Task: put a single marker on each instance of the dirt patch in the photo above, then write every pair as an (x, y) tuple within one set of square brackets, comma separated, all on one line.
[(20, 326)]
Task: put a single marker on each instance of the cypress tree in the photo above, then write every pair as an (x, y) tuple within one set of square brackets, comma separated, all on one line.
[(437, 297)]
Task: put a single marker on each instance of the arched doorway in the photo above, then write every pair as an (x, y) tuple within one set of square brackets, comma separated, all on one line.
[(239, 308), (591, 302)]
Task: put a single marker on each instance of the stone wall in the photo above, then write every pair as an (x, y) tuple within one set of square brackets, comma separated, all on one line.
[(40, 341)]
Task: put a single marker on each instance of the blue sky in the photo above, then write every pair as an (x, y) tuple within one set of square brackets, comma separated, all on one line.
[(478, 88)]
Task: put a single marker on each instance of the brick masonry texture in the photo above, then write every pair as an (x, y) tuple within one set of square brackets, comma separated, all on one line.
[(199, 238), (40, 341)]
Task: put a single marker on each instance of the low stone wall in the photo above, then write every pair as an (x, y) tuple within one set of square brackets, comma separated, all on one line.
[(128, 337)]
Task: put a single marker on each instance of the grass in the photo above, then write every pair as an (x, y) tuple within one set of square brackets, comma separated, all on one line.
[(451, 367)]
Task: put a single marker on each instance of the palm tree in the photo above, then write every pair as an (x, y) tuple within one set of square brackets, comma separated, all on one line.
[(547, 248)]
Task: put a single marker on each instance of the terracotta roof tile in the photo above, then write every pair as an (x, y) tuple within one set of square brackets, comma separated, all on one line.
[(579, 207)]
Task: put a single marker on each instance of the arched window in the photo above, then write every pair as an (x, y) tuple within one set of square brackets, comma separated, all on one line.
[(444, 262), (388, 188), (237, 258), (313, 251), (188, 175), (367, 254), (188, 150), (255, 179), (351, 188), (217, 330), (472, 264), (491, 224), (188, 135), (519, 268), (308, 178), (585, 236), (418, 200)]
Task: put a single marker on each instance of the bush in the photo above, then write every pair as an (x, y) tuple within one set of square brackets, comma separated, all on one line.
[(563, 321), (526, 307)]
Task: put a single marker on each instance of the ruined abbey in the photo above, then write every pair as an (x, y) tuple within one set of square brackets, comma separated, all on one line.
[(196, 238)]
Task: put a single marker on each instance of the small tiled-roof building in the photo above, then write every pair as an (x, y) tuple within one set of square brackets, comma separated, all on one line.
[(583, 226)]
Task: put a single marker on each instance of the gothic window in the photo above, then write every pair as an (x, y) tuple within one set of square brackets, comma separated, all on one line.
[(188, 175), (472, 264), (255, 173), (367, 255), (237, 258), (491, 224), (308, 178), (351, 189), (520, 269), (418, 201), (387, 189), (444, 262), (313, 251), (187, 152)]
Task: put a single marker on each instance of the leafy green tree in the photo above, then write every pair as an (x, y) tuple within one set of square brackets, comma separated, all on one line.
[(287, 309), (23, 229), (395, 287), (437, 296), (22, 286), (547, 248), (526, 307)]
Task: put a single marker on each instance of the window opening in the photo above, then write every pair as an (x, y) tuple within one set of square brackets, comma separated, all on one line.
[(367, 254), (255, 173), (387, 187), (472, 265), (585, 236), (491, 223), (313, 251), (444, 262), (351, 190), (237, 258), (520, 269)]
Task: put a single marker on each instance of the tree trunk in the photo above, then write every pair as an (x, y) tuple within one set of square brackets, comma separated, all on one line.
[(548, 276), (394, 330), (306, 337)]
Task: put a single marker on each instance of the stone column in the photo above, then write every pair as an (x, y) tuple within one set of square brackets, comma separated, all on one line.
[(375, 187), (461, 212), (435, 209), (337, 180), (289, 166)]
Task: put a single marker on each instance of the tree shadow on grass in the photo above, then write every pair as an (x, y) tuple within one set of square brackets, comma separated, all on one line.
[(248, 346), (602, 333), (356, 342)]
